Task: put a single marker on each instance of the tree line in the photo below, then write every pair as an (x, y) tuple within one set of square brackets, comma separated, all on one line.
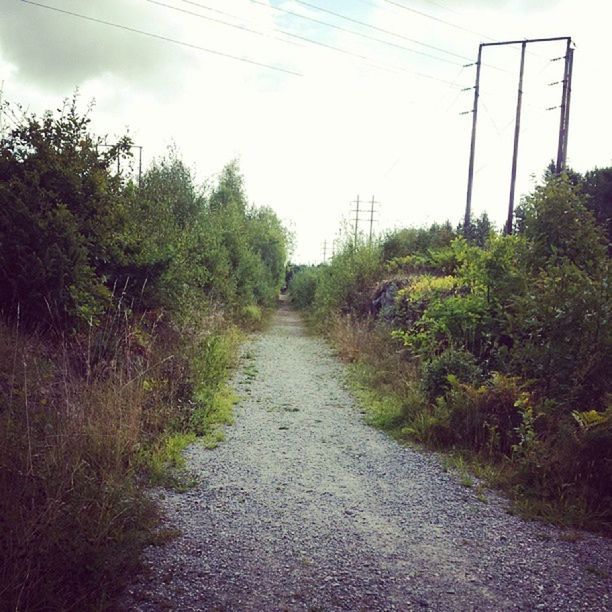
[(121, 309)]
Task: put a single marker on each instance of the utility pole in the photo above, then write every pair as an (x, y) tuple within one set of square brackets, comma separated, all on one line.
[(565, 104), (372, 203), (468, 203), (325, 251), (139, 147), (356, 202), (139, 165), (563, 127), (517, 131), (357, 219)]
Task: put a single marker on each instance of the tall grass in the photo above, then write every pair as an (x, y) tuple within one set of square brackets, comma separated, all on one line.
[(84, 424)]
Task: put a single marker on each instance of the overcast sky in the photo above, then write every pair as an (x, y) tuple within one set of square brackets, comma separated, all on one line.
[(370, 107)]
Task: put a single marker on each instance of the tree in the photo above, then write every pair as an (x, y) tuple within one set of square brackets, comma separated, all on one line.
[(558, 226), (61, 218), (598, 188)]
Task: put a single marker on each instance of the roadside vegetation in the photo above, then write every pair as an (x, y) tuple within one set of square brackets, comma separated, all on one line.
[(493, 348), (122, 307)]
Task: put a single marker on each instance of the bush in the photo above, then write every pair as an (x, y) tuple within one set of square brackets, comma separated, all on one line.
[(132, 291), (61, 221), (345, 284), (457, 363), (303, 286), (485, 419), (528, 313), (412, 241), (571, 468)]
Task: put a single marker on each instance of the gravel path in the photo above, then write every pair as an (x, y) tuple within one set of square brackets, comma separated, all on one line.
[(305, 507)]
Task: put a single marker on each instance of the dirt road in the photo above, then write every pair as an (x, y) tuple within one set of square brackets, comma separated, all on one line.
[(305, 507)]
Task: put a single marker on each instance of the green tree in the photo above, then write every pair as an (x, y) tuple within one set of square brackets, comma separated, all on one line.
[(598, 188), (558, 226), (61, 218)]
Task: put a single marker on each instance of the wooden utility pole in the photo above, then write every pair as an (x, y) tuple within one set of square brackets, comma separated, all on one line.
[(568, 97), (468, 203), (139, 165), (356, 202), (565, 105), (563, 127), (371, 219), (517, 131)]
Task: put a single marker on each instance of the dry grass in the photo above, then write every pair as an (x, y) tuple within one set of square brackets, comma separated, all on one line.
[(68, 500), (78, 421), (363, 341)]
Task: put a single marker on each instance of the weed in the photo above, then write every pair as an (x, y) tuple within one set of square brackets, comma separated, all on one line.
[(164, 461), (213, 438)]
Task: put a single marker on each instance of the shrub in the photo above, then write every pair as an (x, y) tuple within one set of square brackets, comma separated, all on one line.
[(251, 316), (412, 241), (345, 284), (456, 362), (303, 286), (139, 285), (61, 220), (483, 419)]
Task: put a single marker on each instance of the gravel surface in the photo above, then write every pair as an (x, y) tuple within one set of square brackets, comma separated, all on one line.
[(305, 507)]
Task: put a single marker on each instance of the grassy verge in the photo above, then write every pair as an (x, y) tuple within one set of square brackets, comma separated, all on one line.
[(388, 388), (85, 427)]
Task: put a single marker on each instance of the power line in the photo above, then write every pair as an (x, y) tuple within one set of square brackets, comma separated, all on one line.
[(369, 60), (440, 20), (364, 58), (220, 21), (442, 6), (330, 25), (164, 38), (367, 25), (434, 18), (378, 40), (361, 23)]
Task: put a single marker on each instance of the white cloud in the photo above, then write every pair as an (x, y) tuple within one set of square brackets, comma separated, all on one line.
[(309, 145)]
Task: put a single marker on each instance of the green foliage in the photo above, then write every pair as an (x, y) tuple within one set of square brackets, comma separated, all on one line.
[(345, 284), (164, 461), (303, 286), (485, 419), (72, 232), (479, 230), (456, 364), (506, 347), (218, 411), (564, 334), (251, 317), (597, 187), (411, 241), (133, 290), (212, 358), (62, 216), (558, 228)]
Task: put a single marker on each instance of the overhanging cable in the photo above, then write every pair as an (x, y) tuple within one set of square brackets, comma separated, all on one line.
[(164, 38)]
